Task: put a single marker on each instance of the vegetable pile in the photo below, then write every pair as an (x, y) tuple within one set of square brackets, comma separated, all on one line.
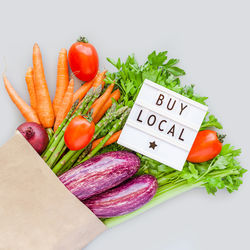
[(83, 127)]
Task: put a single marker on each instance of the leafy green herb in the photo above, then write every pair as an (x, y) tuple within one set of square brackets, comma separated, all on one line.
[(224, 171), (209, 122), (130, 76)]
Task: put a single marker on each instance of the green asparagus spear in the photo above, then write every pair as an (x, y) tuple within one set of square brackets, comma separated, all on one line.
[(83, 154), (69, 164), (59, 136), (61, 125), (59, 129), (106, 117), (58, 151), (105, 139), (65, 162), (109, 117), (86, 100), (97, 93), (59, 155), (50, 133)]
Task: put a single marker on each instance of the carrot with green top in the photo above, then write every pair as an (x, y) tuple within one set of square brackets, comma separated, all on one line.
[(115, 95), (114, 138), (65, 105), (27, 111), (62, 80), (31, 87), (44, 106), (98, 104)]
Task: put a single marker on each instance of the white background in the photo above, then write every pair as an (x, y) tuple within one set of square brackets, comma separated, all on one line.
[(212, 40)]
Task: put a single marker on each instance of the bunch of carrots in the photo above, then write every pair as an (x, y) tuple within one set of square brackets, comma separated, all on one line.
[(51, 114)]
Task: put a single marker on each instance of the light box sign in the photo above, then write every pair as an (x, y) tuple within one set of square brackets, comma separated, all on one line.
[(162, 125)]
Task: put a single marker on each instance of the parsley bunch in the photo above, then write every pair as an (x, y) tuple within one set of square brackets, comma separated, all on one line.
[(130, 76), (224, 171)]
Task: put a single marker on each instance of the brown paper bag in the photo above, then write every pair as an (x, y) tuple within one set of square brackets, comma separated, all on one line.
[(36, 211)]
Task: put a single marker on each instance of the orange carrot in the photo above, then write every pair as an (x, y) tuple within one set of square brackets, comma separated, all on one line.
[(116, 95), (114, 138), (100, 79), (31, 87), (28, 112), (44, 106), (82, 91), (62, 80), (65, 105), (98, 104)]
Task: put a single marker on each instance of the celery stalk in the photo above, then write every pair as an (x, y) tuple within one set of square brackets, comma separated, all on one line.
[(163, 193), (169, 191)]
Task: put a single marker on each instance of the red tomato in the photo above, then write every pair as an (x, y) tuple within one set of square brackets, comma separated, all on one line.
[(206, 146), (83, 60), (79, 133)]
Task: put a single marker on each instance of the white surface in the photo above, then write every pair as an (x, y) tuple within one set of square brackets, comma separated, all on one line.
[(182, 120), (212, 40)]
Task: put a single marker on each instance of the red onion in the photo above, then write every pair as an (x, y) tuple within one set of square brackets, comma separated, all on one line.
[(35, 134)]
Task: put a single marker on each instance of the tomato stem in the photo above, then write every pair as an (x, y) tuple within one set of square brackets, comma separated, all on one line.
[(82, 39), (221, 137), (88, 117)]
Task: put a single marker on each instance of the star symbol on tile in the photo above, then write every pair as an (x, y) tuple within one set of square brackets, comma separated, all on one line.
[(152, 145)]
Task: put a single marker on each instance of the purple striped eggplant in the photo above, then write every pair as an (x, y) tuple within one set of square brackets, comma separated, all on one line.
[(100, 173), (125, 198)]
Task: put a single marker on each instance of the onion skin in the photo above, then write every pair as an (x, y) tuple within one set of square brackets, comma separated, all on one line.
[(100, 173), (125, 198), (35, 134)]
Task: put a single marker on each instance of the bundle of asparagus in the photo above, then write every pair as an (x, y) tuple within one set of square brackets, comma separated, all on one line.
[(58, 157)]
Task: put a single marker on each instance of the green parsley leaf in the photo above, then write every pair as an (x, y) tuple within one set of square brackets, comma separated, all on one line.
[(157, 60), (176, 71), (209, 122)]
